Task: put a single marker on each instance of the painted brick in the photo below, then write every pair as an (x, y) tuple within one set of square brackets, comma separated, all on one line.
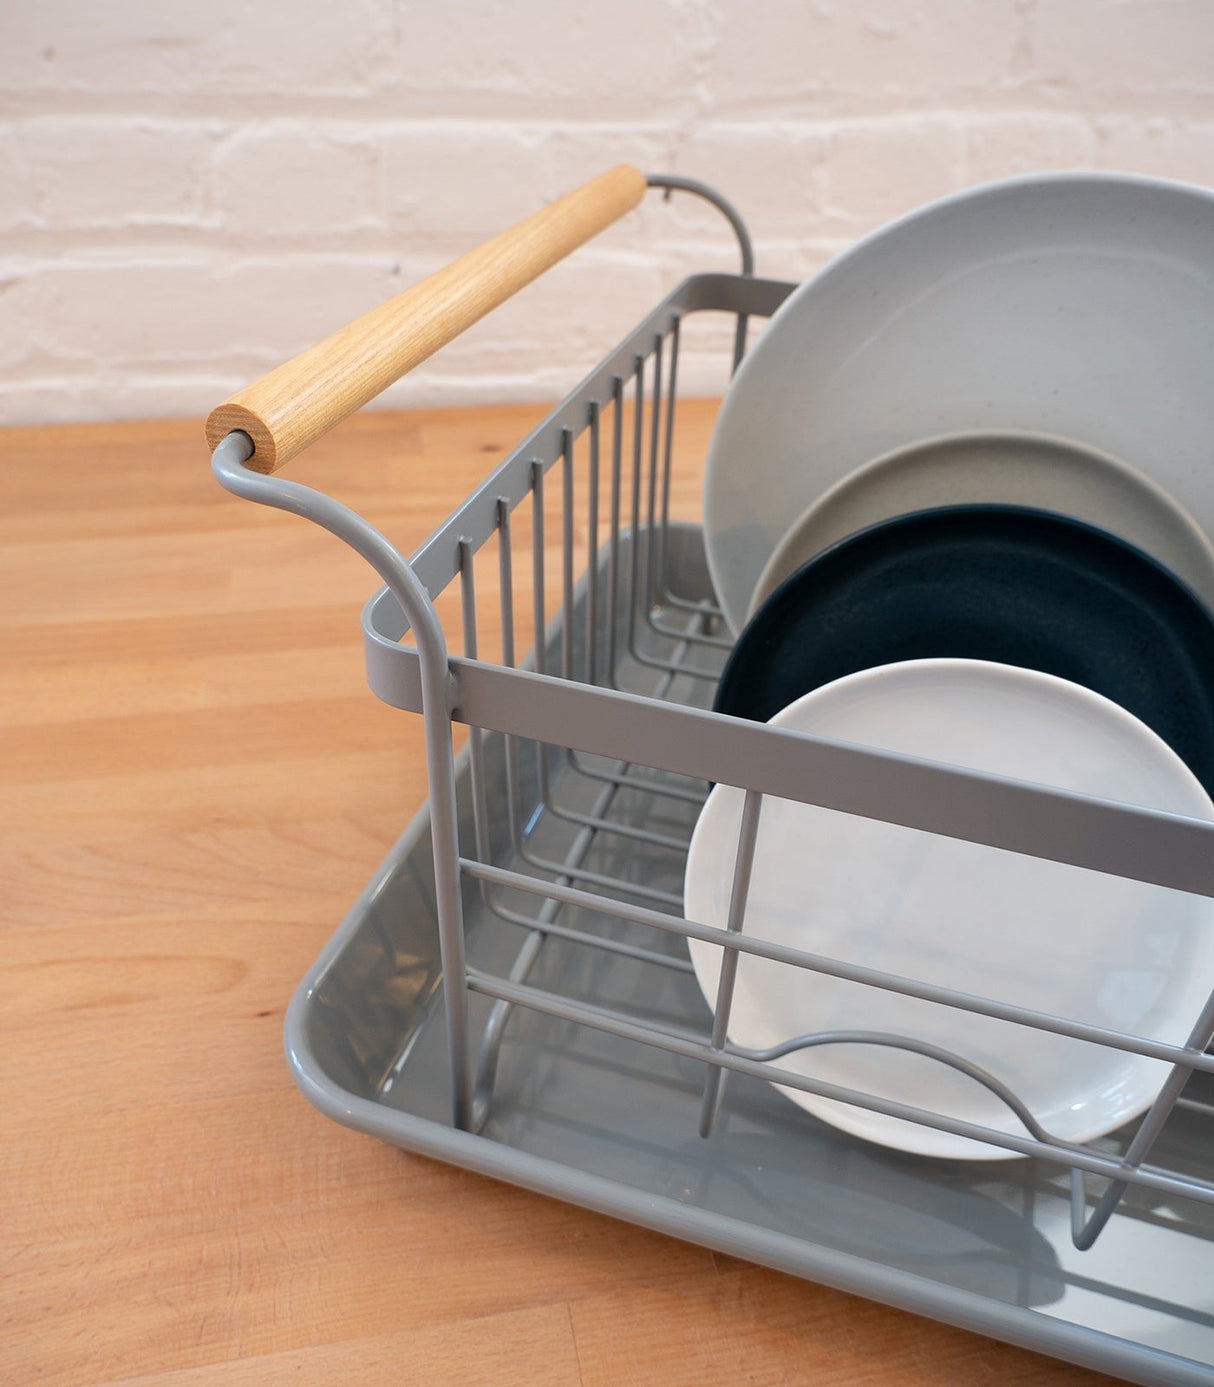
[(290, 179), (190, 194), (775, 172), (224, 46), (17, 321), (1092, 49), (775, 175), (106, 173), (458, 183), (1005, 145), (169, 312), (1163, 148), (452, 185), (298, 47), (798, 258), (489, 58), (571, 315), (631, 61), (568, 156), (571, 154), (84, 397), (815, 56), (527, 58), (18, 202), (700, 374), (275, 308), (559, 326), (876, 171)]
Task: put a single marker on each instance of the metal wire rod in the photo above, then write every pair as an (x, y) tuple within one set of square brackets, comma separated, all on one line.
[(614, 1023), (850, 972)]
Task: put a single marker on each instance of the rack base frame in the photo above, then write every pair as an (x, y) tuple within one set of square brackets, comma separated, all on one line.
[(610, 1125)]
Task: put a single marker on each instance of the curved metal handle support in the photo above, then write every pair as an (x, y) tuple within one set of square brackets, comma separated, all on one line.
[(672, 182), (439, 697)]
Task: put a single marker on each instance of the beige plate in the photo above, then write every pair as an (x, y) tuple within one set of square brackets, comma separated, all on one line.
[(1006, 467), (1072, 304)]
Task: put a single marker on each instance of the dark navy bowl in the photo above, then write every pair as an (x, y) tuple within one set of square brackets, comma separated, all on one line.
[(989, 582)]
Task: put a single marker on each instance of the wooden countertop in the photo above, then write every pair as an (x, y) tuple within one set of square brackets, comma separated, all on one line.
[(194, 786)]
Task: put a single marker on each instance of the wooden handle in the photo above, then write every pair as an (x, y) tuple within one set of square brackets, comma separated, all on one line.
[(291, 407)]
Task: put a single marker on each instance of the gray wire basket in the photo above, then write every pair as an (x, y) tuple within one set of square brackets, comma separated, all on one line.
[(513, 991)]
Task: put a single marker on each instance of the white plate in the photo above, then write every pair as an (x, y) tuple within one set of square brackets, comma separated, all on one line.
[(1010, 468), (1076, 943), (1076, 305)]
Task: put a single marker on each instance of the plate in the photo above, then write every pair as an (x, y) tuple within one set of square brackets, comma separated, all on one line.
[(1013, 468), (1061, 939), (1002, 583), (1076, 305)]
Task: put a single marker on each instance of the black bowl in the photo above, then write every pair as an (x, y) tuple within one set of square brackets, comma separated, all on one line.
[(1004, 583)]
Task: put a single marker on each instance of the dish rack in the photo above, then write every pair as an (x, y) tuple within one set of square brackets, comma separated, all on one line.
[(512, 992)]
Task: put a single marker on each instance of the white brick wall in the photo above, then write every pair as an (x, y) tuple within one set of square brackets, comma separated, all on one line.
[(192, 191)]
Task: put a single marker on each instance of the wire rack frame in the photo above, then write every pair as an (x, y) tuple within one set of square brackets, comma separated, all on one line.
[(651, 739)]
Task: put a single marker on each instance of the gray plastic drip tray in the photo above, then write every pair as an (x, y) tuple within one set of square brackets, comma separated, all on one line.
[(611, 1124)]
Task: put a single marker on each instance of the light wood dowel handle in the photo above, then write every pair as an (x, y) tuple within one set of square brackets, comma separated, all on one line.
[(294, 404)]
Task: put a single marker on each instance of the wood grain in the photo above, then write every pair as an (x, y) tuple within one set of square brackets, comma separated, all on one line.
[(291, 407), (194, 786)]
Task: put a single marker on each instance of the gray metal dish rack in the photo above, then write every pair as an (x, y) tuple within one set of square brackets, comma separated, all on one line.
[(513, 993)]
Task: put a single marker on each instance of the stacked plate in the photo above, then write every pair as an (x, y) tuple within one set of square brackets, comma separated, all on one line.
[(990, 425)]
